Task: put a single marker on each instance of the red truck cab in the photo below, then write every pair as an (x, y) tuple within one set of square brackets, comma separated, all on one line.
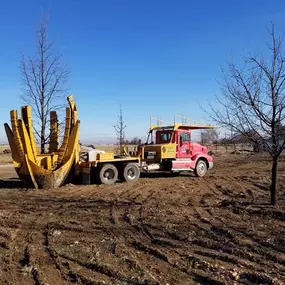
[(171, 148)]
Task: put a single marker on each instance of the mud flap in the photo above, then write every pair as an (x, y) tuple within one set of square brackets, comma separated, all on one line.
[(86, 175)]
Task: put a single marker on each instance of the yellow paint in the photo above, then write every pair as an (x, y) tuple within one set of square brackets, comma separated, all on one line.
[(168, 151), (105, 156), (177, 126), (15, 154), (16, 135), (73, 109), (27, 117), (72, 143), (31, 172), (62, 149), (47, 170), (26, 142)]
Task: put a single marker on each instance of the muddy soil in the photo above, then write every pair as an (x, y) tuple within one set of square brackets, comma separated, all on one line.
[(163, 229)]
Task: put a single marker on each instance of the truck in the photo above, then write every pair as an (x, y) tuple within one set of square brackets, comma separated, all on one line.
[(168, 148)]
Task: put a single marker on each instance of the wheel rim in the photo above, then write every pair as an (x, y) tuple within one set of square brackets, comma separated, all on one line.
[(109, 174), (131, 174), (201, 168)]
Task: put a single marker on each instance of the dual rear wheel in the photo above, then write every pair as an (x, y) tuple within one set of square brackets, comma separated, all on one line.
[(109, 173)]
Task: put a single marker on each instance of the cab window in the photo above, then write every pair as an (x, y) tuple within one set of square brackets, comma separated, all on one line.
[(184, 137)]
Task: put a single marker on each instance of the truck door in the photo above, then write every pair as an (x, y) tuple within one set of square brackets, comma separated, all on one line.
[(183, 145)]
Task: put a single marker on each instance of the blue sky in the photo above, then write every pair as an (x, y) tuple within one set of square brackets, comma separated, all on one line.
[(154, 57)]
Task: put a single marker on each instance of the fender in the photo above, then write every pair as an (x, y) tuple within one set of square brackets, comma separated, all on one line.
[(208, 158)]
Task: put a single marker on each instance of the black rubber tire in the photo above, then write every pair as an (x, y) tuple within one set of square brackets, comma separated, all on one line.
[(108, 174), (200, 168), (131, 173)]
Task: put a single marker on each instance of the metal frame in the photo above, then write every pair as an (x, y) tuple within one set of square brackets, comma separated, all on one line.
[(187, 123)]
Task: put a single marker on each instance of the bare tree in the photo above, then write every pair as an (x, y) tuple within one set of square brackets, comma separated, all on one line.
[(120, 130), (43, 78), (136, 141), (253, 102), (209, 136)]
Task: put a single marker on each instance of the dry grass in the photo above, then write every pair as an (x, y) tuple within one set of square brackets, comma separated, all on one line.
[(5, 158), (2, 147)]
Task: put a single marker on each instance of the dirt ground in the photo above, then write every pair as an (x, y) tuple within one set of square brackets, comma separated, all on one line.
[(161, 230)]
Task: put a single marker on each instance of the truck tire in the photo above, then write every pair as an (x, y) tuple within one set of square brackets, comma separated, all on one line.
[(108, 174), (201, 168), (131, 173)]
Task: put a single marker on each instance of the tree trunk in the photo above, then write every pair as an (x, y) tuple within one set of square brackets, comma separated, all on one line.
[(42, 141), (273, 187), (121, 146), (43, 130)]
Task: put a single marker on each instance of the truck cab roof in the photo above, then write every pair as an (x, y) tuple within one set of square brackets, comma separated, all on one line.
[(180, 126)]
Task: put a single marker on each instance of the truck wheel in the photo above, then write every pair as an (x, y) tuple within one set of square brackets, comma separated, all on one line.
[(131, 172), (201, 168), (108, 174)]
